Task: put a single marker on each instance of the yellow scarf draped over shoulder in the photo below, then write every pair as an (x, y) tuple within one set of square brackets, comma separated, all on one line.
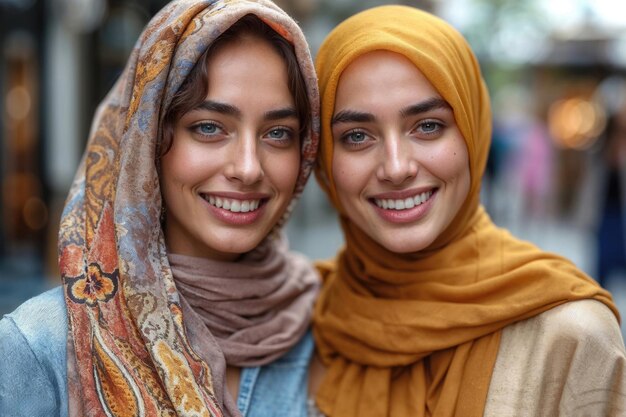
[(418, 334)]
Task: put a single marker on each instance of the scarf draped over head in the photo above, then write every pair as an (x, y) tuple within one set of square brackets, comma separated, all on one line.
[(128, 350), (418, 334)]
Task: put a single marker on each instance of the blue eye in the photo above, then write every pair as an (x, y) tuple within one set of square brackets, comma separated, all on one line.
[(280, 136), (429, 127), (277, 134), (356, 137), (208, 128)]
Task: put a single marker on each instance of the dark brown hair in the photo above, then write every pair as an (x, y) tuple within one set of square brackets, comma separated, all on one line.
[(194, 89)]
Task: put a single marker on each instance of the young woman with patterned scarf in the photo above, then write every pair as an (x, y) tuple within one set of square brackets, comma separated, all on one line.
[(179, 296)]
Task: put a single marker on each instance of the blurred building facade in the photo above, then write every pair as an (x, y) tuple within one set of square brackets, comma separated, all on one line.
[(58, 60)]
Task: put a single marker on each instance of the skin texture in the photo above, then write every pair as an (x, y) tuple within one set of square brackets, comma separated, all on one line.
[(395, 138), (241, 144)]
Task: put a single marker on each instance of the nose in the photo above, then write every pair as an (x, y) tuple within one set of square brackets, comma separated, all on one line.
[(245, 165), (398, 162)]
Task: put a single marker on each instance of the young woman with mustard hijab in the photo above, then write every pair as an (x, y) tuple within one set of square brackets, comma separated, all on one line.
[(431, 309)]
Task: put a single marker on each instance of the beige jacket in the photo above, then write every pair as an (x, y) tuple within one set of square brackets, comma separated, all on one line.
[(566, 362)]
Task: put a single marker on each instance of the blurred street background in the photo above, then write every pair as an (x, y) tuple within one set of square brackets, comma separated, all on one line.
[(556, 72)]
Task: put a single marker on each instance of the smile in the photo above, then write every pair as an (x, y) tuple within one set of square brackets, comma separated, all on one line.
[(403, 204), (233, 205)]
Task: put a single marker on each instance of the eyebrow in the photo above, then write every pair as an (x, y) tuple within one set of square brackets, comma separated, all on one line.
[(218, 107), (286, 113), (425, 106), (351, 116), (348, 116), (230, 110)]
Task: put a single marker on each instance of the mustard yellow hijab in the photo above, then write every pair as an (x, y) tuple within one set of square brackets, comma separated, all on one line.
[(418, 334)]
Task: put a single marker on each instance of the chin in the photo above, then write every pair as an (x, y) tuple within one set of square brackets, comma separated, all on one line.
[(403, 246), (238, 250)]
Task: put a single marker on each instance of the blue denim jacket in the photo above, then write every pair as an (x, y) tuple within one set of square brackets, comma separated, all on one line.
[(33, 374)]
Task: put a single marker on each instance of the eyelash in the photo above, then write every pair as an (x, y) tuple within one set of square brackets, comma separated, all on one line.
[(196, 128), (287, 131), (345, 138), (437, 125)]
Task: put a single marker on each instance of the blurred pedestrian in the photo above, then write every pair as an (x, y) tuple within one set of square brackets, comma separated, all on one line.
[(601, 204), (611, 232)]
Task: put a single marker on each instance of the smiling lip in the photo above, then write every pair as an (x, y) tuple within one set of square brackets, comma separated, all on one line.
[(404, 207), (236, 208)]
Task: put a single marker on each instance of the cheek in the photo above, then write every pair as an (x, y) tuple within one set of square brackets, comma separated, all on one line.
[(350, 176), (450, 162), (184, 166), (169, 171), (283, 170)]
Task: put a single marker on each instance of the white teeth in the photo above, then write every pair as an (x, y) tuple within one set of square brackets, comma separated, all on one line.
[(391, 204), (235, 206)]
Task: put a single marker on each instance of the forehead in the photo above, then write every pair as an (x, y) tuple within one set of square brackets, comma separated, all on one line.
[(250, 70), (245, 51), (380, 77)]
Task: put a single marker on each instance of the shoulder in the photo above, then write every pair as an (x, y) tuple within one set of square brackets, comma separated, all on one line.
[(34, 337), (569, 360), (38, 327), (585, 329), (41, 319), (583, 323)]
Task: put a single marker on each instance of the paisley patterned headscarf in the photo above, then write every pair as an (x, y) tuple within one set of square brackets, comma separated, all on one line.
[(128, 352), (417, 334)]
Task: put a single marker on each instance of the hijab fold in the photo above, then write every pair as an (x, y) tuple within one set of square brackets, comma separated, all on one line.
[(128, 349), (418, 334)]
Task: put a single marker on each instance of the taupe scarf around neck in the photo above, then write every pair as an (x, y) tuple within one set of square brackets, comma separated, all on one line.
[(254, 309)]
